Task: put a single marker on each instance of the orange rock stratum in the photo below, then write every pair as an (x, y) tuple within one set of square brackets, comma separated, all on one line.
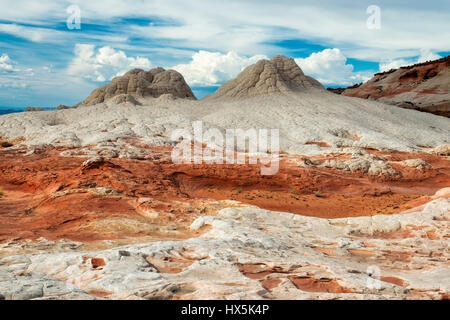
[(47, 195)]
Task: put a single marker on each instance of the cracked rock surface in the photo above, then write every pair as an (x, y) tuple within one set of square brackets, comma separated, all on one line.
[(278, 75), (249, 253), (139, 83)]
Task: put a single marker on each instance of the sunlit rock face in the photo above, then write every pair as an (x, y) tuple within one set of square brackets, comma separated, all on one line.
[(278, 75), (139, 83), (424, 87)]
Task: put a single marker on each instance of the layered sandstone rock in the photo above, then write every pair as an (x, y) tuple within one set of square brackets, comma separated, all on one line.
[(443, 150), (424, 87), (278, 75), (139, 83)]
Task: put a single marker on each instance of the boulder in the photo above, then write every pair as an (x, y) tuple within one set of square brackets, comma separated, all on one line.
[(442, 150)]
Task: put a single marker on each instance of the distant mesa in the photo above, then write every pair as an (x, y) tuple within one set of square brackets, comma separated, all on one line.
[(342, 90), (336, 90), (33, 109), (138, 83), (424, 87), (63, 107), (278, 75)]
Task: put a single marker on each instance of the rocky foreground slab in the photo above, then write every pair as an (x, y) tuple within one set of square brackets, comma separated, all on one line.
[(249, 253)]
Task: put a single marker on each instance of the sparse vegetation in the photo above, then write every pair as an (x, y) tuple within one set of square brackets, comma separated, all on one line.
[(239, 190), (319, 194)]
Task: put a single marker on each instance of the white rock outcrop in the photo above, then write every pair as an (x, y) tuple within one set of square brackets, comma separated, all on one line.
[(284, 247)]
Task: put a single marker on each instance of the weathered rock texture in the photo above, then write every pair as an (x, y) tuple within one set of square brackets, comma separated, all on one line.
[(424, 87), (306, 122), (117, 191), (139, 83), (93, 206), (278, 75), (442, 150), (249, 253)]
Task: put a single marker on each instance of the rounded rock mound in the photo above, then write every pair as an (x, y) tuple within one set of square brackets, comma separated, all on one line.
[(138, 83), (278, 75)]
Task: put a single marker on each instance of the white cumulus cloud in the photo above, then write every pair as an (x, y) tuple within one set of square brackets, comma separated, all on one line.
[(394, 64), (6, 64), (425, 55), (13, 76), (103, 64), (212, 68), (330, 68)]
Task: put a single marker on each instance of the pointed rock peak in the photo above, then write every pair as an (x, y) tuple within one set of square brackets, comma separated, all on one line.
[(138, 83), (278, 75)]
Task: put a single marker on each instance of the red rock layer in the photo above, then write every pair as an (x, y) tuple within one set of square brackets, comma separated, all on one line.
[(46, 195), (428, 83)]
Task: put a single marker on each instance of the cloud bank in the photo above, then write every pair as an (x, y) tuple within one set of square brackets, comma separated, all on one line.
[(330, 68), (212, 68), (103, 64), (425, 55)]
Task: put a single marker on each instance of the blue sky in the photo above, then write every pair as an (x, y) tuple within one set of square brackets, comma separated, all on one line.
[(44, 63)]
